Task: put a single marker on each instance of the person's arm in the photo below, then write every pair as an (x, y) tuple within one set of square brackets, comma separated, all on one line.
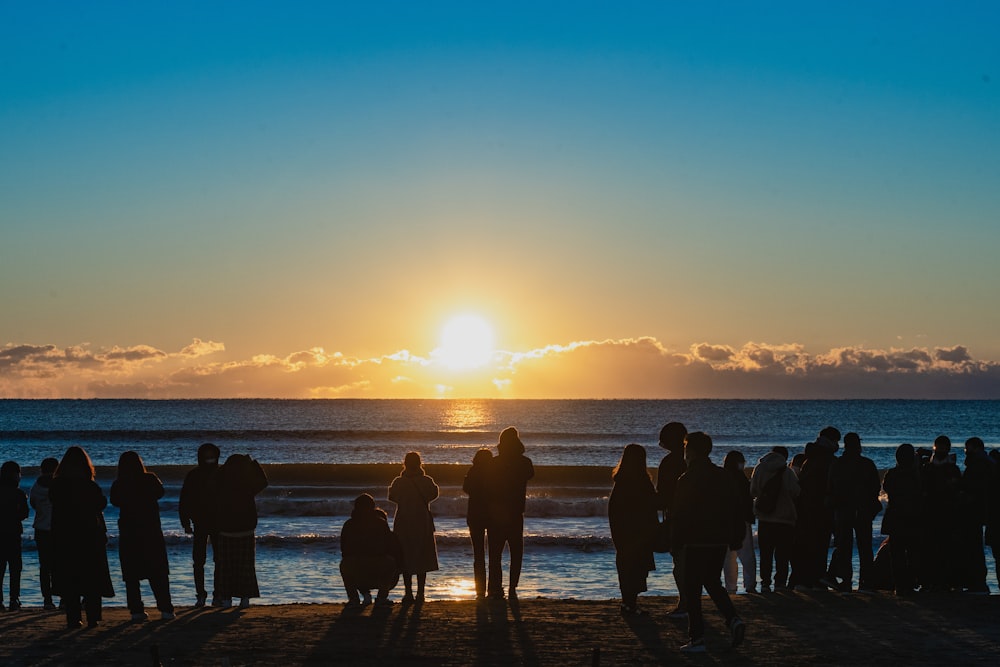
[(23, 506)]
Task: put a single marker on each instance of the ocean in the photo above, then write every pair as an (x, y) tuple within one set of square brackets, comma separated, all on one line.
[(320, 454)]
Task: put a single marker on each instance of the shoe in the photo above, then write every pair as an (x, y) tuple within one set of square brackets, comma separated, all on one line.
[(200, 601), (139, 617), (15, 605), (92, 624), (408, 598), (694, 646), (829, 582), (864, 590), (74, 625), (802, 588), (167, 615), (765, 588), (420, 599), (244, 603), (225, 603), (781, 589), (633, 610), (737, 631), (367, 600), (354, 603), (731, 591), (977, 590), (512, 594), (384, 602), (49, 605), (677, 613), (2, 608)]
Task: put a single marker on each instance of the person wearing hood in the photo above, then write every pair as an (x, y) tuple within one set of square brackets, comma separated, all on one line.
[(671, 467), (901, 521), (814, 526), (508, 489), (13, 510), (197, 509), (372, 557), (853, 489), (38, 497), (977, 480), (241, 478), (774, 487)]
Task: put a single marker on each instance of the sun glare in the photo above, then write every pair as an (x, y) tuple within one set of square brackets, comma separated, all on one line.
[(466, 342)]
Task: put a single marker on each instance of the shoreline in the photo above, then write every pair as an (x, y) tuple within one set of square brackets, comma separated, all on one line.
[(782, 629)]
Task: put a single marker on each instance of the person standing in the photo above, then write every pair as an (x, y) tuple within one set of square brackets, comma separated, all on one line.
[(39, 499), (814, 526), (706, 521), (775, 487), (901, 521), (734, 465), (413, 491), (508, 489), (632, 509), (197, 509), (477, 515), (240, 480), (13, 510), (141, 547), (79, 539), (671, 467), (941, 481), (977, 480)]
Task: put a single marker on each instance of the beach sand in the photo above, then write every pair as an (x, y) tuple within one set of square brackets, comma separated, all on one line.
[(782, 629)]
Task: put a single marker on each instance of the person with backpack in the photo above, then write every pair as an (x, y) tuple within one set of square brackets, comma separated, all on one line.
[(774, 487)]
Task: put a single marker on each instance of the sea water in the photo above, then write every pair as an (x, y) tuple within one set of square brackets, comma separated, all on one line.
[(321, 454)]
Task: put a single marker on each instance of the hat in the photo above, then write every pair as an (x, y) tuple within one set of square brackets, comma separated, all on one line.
[(509, 440)]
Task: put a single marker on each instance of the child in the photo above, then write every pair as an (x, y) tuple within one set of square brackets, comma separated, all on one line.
[(39, 499), (13, 510)]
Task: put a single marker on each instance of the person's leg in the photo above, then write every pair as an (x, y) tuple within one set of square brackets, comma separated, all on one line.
[(409, 586), (711, 558), (92, 603), (71, 604), (748, 560), (161, 592), (43, 541), (516, 554), (766, 541), (421, 585), (692, 566), (133, 597), (730, 570), (866, 555), (783, 544), (478, 536), (350, 586), (3, 572), (16, 564), (496, 537), (199, 554), (678, 573)]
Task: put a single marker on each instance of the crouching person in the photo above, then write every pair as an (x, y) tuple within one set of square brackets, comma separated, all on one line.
[(372, 558)]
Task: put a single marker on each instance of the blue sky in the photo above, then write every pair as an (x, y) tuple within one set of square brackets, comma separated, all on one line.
[(275, 178)]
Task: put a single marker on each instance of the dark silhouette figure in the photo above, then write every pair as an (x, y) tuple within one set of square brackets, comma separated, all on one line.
[(977, 480), (992, 537), (13, 510), (141, 547), (941, 480), (706, 521), (372, 557), (735, 464), (477, 516), (79, 539), (413, 492), (508, 489), (814, 526), (39, 500), (240, 480), (775, 489), (197, 509), (853, 490), (671, 467), (902, 519), (632, 509)]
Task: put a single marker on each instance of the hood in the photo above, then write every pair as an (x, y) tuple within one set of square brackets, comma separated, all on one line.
[(771, 462)]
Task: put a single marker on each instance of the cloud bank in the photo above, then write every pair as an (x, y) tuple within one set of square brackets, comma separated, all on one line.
[(624, 368)]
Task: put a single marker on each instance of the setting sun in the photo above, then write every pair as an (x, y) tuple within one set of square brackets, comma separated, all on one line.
[(466, 342)]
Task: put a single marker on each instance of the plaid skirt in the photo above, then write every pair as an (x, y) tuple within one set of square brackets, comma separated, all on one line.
[(235, 568)]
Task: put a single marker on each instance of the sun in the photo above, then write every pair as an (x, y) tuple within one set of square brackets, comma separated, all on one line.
[(466, 342)]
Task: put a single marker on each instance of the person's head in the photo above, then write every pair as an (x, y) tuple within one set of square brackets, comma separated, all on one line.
[(509, 443), (363, 504), (208, 455), (942, 447), (483, 456), (633, 462), (49, 465), (697, 445), (798, 461), (831, 433), (10, 473), (130, 465), (975, 446), (412, 463), (852, 443), (75, 463), (734, 461), (781, 451), (905, 455), (672, 437)]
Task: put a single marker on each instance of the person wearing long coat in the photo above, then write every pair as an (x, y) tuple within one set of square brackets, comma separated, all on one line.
[(79, 539), (632, 515), (413, 524), (141, 547), (241, 478)]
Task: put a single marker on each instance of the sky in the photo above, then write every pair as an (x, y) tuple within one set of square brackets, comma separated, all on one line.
[(648, 200)]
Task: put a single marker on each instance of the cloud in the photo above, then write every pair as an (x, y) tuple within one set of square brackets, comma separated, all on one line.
[(615, 368)]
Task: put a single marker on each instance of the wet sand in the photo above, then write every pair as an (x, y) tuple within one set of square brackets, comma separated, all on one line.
[(782, 629)]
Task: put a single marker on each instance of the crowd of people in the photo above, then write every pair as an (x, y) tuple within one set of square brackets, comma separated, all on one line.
[(937, 521)]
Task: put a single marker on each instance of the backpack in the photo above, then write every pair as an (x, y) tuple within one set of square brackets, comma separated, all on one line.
[(767, 501)]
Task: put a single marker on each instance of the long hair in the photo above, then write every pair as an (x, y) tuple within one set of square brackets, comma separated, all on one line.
[(632, 463), (412, 464), (733, 460), (130, 465), (75, 464)]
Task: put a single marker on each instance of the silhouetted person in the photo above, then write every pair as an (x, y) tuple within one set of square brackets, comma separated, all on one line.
[(853, 490), (632, 509), (372, 557), (141, 547), (671, 468), (240, 480), (508, 489), (775, 488), (39, 500), (902, 518), (814, 526), (79, 539), (941, 480), (796, 463), (977, 480), (13, 510), (992, 537), (413, 492), (197, 509), (477, 516), (734, 464), (706, 520)]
